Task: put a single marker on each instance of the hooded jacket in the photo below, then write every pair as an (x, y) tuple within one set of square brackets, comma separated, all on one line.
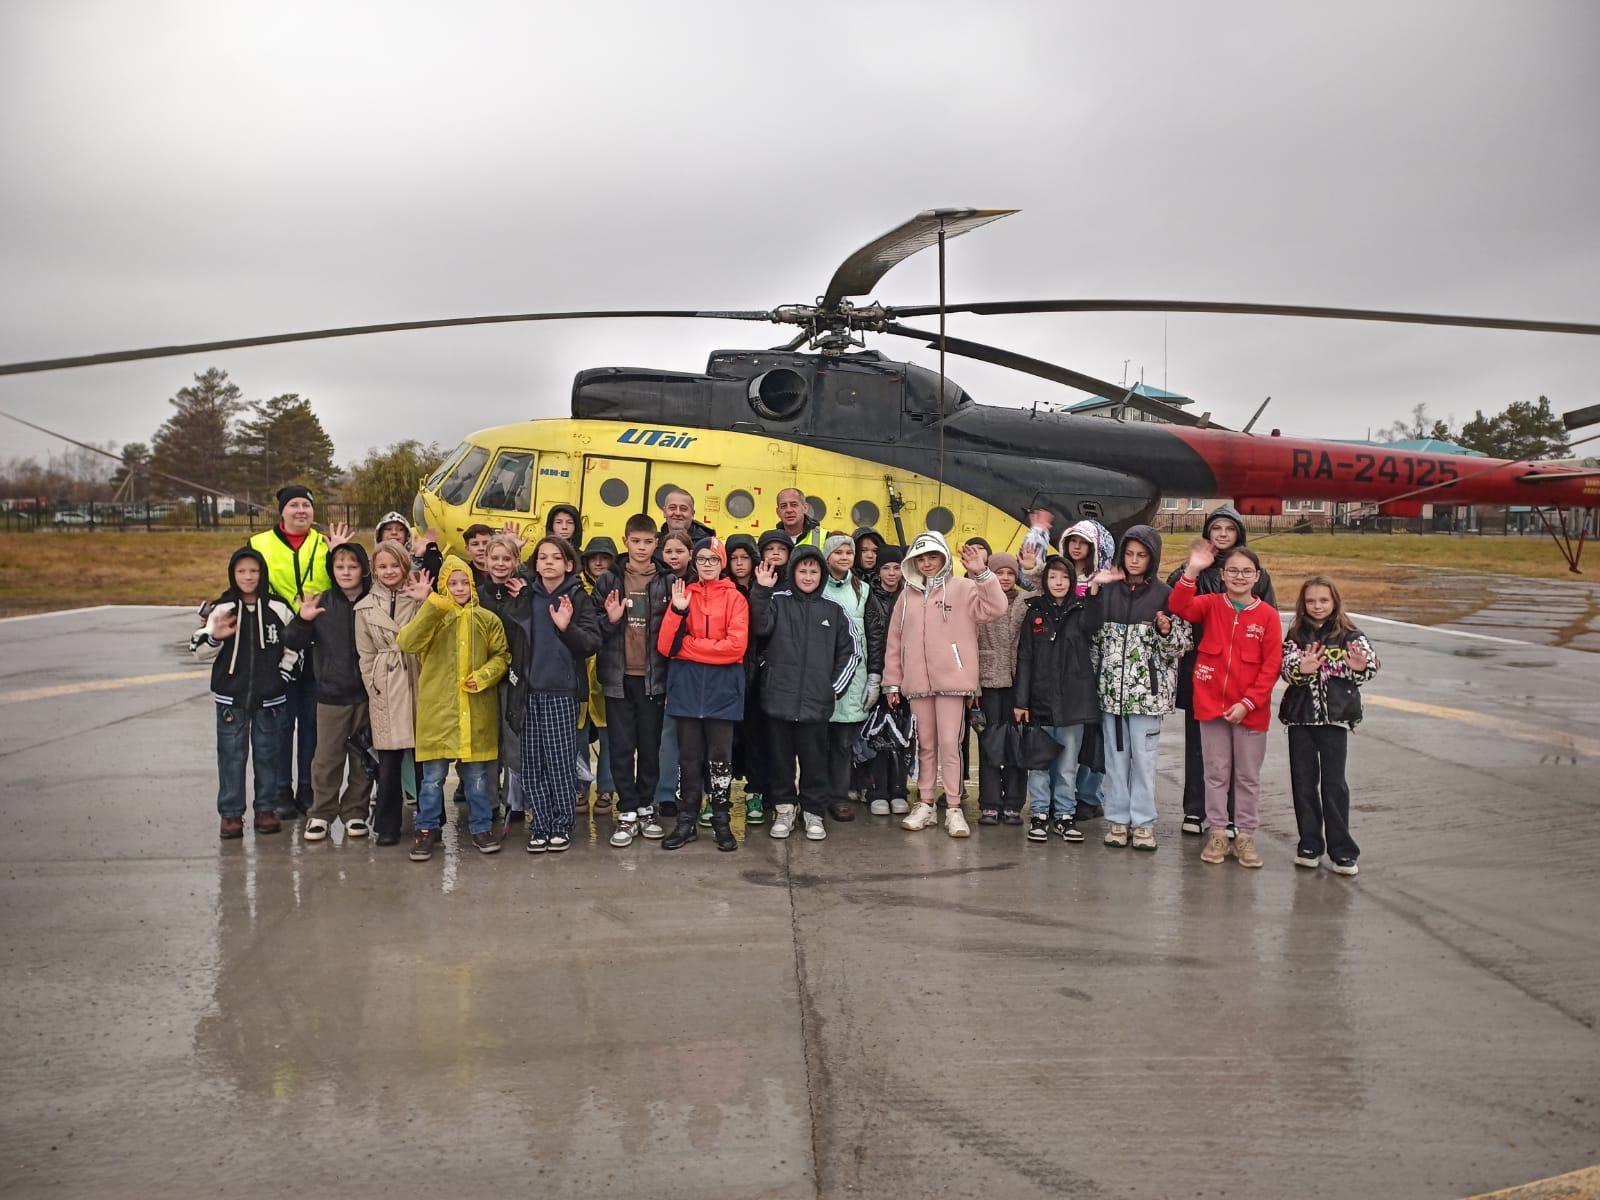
[(861, 535), (808, 653), (1209, 582), (869, 633), (577, 522), (429, 560), (933, 632), (1332, 694), (544, 658), (252, 666), (388, 673), (1138, 667), (456, 642), (1105, 549), (1056, 680), (1238, 656), (331, 637)]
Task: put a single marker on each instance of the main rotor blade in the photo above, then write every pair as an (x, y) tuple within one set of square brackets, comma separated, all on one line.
[(859, 273), (1003, 307), (311, 335), (1048, 370)]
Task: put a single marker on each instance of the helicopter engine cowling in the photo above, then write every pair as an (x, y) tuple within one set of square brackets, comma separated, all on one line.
[(779, 394)]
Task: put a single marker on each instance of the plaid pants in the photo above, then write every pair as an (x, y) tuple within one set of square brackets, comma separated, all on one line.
[(550, 761)]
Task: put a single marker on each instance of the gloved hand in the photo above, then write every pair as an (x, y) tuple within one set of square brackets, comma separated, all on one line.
[(874, 690)]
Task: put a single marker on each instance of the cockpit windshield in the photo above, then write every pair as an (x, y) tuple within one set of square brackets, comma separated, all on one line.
[(457, 485)]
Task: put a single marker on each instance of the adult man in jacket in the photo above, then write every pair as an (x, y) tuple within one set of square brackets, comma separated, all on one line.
[(795, 519)]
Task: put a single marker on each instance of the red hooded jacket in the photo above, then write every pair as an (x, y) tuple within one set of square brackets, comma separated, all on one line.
[(716, 629), (1238, 657)]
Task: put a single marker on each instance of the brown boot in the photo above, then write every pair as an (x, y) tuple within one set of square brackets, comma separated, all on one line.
[(1244, 849), (1216, 849), (267, 822), (232, 827)]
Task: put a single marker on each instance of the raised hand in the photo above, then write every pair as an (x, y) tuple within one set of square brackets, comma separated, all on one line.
[(515, 584), (615, 608), (1311, 659), (561, 612), (1109, 575), (419, 586), (1163, 624), (680, 595), (227, 624), (311, 606), (766, 574), (338, 534), (1355, 657), (515, 530), (974, 558), (1028, 559), (1201, 555)]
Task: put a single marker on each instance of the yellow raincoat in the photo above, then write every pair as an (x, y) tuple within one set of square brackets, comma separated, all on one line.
[(456, 642)]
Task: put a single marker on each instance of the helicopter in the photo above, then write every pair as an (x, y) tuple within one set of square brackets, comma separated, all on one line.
[(868, 437)]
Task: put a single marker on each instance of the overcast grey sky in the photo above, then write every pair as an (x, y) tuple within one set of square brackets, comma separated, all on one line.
[(188, 171)]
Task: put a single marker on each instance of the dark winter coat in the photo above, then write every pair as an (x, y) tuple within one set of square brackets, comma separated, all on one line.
[(808, 653), (611, 663), (331, 638), (252, 666), (544, 658), (1055, 678), (1333, 695), (1209, 582)]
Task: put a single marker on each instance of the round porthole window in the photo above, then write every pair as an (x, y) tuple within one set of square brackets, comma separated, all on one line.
[(818, 507), (614, 493), (865, 513), (661, 493), (740, 504), (941, 519)]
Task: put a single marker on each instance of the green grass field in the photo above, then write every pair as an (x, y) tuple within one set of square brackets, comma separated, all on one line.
[(1532, 557)]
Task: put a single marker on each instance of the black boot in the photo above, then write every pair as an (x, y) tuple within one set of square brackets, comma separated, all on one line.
[(722, 805), (684, 831)]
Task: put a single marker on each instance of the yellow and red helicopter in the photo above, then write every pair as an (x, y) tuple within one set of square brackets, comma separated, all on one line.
[(875, 441)]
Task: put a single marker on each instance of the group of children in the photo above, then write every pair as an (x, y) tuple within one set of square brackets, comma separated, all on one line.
[(821, 674)]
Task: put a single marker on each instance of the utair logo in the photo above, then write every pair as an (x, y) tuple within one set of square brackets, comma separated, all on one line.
[(667, 439)]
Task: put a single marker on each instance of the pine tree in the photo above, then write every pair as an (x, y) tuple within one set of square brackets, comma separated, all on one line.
[(283, 443), (1525, 430), (196, 441)]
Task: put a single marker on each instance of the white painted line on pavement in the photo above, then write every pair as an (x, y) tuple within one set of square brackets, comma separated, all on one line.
[(97, 685), (67, 612), (1482, 637)]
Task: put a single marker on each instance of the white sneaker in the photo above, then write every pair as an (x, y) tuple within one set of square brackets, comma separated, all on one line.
[(627, 829), (355, 827), (880, 808), (585, 771), (782, 821), (815, 830), (316, 829), (651, 828), (921, 816), (955, 824), (899, 807)]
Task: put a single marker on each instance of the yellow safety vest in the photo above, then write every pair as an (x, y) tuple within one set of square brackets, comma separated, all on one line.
[(292, 573)]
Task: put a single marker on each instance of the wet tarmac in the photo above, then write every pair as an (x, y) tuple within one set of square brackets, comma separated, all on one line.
[(881, 1014)]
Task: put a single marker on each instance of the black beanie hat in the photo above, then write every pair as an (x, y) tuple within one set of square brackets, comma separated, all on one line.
[(891, 554), (292, 491)]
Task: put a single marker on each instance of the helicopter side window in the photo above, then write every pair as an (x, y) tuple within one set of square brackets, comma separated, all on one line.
[(457, 485), (510, 484), (445, 463)]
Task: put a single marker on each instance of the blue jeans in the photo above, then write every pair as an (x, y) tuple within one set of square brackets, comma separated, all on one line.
[(1091, 786), (1131, 768), (667, 785), (242, 733), (477, 779), (1056, 788), (299, 710)]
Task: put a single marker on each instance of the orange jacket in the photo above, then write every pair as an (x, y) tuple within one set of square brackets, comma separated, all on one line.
[(716, 629)]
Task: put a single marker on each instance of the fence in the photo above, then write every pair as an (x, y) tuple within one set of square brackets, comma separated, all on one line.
[(153, 517)]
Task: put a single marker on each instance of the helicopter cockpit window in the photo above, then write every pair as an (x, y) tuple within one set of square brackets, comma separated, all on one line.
[(445, 463), (457, 485), (509, 487)]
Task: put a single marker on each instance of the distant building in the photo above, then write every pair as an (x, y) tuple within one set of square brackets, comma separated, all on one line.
[(1101, 406)]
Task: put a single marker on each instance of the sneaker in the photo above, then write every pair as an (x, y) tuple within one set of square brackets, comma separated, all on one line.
[(782, 821), (1039, 828), (755, 810), (955, 824), (486, 842), (316, 829), (1244, 849), (1343, 866), (920, 817), (627, 829), (356, 828), (1116, 834), (232, 827), (1194, 826), (559, 842), (650, 828), (1066, 828), (604, 801), (1010, 816), (1304, 858), (815, 829), (705, 813), (853, 796), (988, 816), (538, 842), (1216, 848), (268, 822), (879, 808), (899, 806), (1143, 838), (422, 846), (1088, 812)]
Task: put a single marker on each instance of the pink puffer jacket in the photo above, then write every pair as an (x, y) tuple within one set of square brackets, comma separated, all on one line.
[(933, 630)]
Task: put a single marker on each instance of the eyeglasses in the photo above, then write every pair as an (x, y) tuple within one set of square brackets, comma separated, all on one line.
[(1239, 572), (708, 560)]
